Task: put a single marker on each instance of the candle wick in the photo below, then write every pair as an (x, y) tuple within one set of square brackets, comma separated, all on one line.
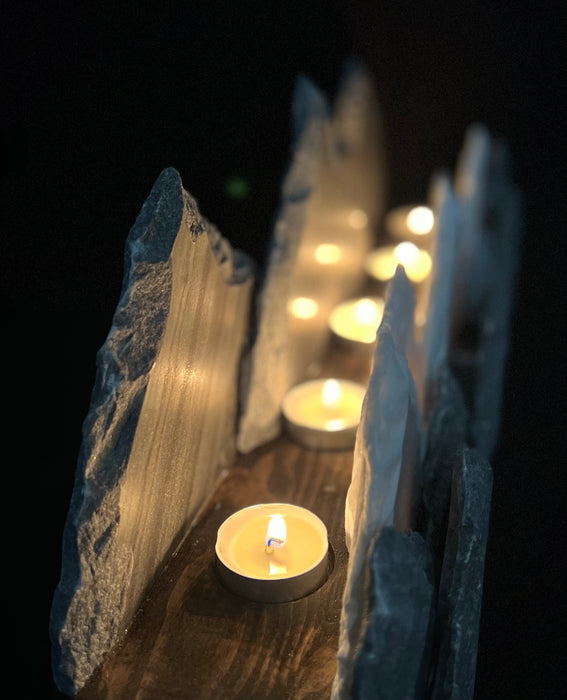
[(274, 543)]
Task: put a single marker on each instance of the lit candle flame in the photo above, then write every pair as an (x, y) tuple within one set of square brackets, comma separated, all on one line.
[(417, 263), (328, 253), (366, 312), (276, 534), (303, 307), (407, 253), (330, 396), (420, 220), (330, 393)]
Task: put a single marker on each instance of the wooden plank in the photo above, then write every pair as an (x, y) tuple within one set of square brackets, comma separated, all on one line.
[(194, 639)]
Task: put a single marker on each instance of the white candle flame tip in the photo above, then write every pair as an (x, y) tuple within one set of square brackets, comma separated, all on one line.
[(276, 534), (420, 220), (331, 392)]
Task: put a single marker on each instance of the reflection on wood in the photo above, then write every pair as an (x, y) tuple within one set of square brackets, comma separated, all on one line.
[(194, 640)]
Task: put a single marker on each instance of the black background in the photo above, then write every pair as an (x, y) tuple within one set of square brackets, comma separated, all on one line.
[(99, 97)]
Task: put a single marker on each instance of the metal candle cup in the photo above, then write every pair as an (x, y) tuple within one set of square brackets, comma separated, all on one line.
[(324, 413), (354, 323), (272, 567)]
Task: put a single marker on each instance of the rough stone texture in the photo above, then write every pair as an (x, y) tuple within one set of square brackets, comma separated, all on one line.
[(164, 401), (460, 590), (446, 418), (391, 662), (486, 269), (387, 452), (437, 331), (267, 370), (334, 170)]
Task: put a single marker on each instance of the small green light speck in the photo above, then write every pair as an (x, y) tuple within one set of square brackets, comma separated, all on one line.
[(237, 188)]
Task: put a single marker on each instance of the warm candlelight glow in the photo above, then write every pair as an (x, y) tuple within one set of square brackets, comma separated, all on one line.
[(276, 533), (420, 220), (382, 262), (328, 254), (330, 393), (420, 318), (324, 413), (251, 558), (357, 319), (366, 311), (410, 222), (417, 263), (303, 307), (357, 219)]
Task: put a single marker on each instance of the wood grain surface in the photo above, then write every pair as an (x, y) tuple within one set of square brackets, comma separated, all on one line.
[(194, 640)]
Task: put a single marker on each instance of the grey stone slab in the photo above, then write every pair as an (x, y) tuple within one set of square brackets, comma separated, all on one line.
[(391, 662), (438, 324), (163, 403), (268, 372), (460, 590), (387, 451), (447, 421), (486, 268), (504, 227), (331, 196)]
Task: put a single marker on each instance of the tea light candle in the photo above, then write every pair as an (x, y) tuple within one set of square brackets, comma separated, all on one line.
[(324, 413), (356, 321), (410, 222), (381, 263), (272, 552)]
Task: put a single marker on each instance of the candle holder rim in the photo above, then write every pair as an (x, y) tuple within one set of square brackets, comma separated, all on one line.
[(312, 516)]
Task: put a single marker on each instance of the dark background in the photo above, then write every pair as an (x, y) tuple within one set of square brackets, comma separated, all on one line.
[(100, 97)]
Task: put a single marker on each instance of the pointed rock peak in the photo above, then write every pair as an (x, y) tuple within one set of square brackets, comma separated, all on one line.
[(159, 219), (399, 310), (169, 177), (309, 103)]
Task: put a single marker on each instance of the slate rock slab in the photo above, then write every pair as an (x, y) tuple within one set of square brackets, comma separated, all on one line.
[(491, 221), (387, 452), (390, 663), (332, 195), (164, 402), (447, 420), (460, 589)]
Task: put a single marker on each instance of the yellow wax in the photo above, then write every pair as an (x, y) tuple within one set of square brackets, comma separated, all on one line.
[(382, 262), (324, 404), (357, 319), (241, 542)]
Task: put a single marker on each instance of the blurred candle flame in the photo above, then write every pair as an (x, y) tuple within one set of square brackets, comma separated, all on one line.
[(420, 220), (331, 393), (357, 219), (303, 307), (328, 253)]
